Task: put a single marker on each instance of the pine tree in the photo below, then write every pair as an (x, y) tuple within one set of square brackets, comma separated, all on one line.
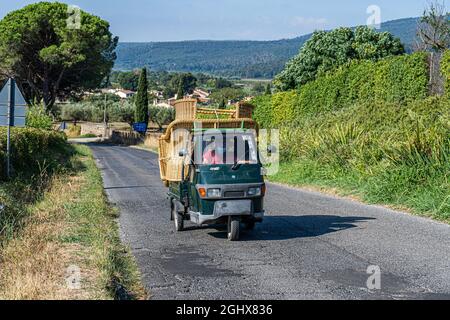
[(141, 101)]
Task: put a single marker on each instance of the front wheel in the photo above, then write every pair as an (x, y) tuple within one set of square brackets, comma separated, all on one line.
[(177, 218), (233, 228)]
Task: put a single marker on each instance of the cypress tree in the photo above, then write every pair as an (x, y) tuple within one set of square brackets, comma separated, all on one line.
[(141, 101), (268, 89), (180, 93)]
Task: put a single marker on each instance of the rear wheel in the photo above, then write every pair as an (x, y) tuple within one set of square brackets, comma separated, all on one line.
[(233, 228), (177, 218)]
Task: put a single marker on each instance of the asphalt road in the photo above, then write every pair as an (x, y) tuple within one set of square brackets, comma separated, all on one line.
[(310, 246)]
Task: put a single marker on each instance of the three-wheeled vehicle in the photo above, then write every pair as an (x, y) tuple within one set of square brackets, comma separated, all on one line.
[(212, 167)]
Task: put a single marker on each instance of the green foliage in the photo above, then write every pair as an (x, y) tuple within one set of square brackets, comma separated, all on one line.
[(162, 116), (326, 51), (38, 118), (268, 89), (128, 80), (226, 94), (221, 83), (180, 92), (445, 67), (368, 129), (86, 111), (185, 83), (33, 150), (396, 79), (384, 152), (50, 59), (141, 100), (244, 59)]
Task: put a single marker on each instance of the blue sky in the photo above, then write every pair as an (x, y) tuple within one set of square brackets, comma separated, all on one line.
[(173, 20)]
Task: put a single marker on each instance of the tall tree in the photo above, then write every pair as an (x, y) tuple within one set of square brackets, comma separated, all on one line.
[(187, 81), (434, 28), (180, 92), (50, 56), (268, 89), (325, 51), (129, 80), (141, 100)]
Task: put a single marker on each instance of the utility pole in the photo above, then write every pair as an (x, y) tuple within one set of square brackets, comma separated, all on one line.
[(11, 100), (104, 120)]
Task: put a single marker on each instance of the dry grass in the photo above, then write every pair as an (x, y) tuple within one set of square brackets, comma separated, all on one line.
[(35, 264)]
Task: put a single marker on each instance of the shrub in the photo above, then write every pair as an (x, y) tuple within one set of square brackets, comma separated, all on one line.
[(445, 67), (327, 50), (399, 79), (74, 131), (33, 150), (161, 116), (86, 111), (38, 118)]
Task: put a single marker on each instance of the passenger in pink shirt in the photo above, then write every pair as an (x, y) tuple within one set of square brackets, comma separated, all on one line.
[(211, 157), (212, 154)]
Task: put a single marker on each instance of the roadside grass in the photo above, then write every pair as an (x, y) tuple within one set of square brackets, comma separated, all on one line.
[(142, 146), (396, 188), (63, 235)]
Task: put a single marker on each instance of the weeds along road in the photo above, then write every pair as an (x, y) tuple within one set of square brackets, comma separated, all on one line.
[(310, 246)]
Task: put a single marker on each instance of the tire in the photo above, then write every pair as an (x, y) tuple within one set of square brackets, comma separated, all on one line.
[(233, 228), (177, 218)]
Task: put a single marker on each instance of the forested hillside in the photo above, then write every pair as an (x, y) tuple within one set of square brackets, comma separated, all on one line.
[(246, 59)]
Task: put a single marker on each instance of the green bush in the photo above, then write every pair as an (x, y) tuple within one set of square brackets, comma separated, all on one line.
[(92, 112), (399, 79), (38, 118), (161, 115), (386, 152), (33, 150), (445, 66)]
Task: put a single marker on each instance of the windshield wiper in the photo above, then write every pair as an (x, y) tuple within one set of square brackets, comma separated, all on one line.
[(236, 165)]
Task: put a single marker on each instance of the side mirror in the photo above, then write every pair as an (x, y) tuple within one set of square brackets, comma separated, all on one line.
[(271, 149), (182, 153)]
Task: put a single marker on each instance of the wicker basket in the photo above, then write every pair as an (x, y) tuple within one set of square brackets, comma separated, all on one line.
[(174, 140), (185, 109)]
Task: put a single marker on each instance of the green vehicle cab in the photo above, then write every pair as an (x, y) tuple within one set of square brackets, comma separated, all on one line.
[(214, 173)]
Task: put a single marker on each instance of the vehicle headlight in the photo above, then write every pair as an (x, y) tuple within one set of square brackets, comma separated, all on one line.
[(214, 193), (254, 191)]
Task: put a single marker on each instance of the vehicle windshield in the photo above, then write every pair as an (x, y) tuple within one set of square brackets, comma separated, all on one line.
[(225, 148)]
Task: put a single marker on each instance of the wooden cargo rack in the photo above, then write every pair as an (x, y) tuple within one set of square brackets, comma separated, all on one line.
[(190, 117)]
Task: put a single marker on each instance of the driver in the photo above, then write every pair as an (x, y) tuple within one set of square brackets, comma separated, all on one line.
[(213, 154)]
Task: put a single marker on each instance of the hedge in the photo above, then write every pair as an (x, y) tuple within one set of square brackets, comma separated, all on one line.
[(33, 150), (399, 79)]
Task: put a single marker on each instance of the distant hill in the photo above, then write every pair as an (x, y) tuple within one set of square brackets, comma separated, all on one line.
[(245, 59)]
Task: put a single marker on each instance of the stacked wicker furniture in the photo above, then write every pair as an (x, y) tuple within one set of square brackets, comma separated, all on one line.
[(189, 117)]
